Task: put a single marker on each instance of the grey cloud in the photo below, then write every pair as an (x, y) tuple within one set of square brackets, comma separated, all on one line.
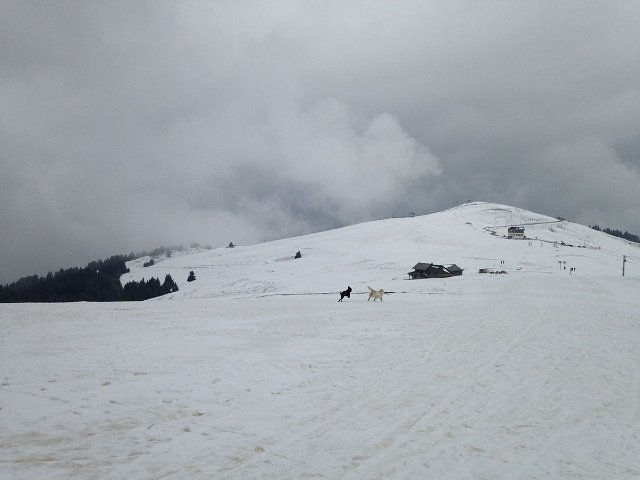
[(125, 126)]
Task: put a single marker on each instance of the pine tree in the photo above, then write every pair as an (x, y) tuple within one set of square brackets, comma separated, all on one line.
[(169, 286)]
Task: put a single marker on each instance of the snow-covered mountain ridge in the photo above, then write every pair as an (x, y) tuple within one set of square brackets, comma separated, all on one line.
[(381, 253)]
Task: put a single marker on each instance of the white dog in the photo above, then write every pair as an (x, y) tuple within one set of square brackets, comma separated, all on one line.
[(375, 294)]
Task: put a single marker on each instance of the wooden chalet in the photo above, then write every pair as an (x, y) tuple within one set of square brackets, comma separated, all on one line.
[(431, 270)]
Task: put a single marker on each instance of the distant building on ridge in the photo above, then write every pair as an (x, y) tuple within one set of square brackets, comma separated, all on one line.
[(516, 233)]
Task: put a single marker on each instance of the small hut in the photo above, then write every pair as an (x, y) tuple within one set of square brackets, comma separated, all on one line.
[(431, 270)]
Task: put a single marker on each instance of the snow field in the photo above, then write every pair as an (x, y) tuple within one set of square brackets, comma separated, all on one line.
[(537, 383)]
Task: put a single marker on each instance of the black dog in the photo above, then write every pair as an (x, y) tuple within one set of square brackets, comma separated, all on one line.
[(346, 293)]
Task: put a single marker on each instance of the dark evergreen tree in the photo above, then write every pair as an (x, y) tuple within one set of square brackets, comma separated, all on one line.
[(169, 286), (99, 281), (618, 233), (191, 277)]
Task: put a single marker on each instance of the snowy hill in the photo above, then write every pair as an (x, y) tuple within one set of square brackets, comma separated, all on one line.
[(383, 252), (255, 371)]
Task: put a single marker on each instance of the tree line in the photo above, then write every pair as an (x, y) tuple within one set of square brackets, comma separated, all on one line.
[(617, 233), (99, 281)]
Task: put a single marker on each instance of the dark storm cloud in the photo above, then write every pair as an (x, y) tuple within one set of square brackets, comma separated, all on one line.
[(124, 126)]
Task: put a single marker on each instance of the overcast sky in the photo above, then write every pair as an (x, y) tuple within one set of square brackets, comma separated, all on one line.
[(129, 125)]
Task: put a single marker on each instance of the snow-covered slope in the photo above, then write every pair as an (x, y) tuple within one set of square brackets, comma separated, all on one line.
[(381, 253), (255, 371)]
